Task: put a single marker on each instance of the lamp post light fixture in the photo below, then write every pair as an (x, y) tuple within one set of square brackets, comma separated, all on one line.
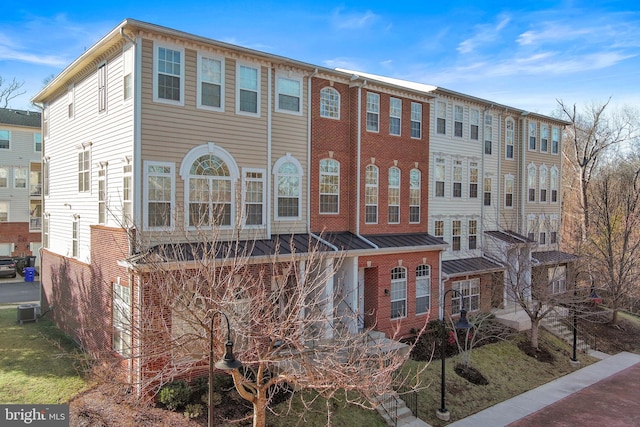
[(464, 324), (227, 363)]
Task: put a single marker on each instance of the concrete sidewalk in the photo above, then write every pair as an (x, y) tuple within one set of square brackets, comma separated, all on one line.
[(602, 384)]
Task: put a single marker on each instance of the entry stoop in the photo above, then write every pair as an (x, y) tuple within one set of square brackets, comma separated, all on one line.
[(513, 317)]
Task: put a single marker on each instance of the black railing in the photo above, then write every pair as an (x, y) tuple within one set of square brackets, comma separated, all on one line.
[(564, 319), (389, 404), (410, 398)]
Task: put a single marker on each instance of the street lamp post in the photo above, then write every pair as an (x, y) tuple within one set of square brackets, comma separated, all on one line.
[(574, 358), (227, 363), (443, 413)]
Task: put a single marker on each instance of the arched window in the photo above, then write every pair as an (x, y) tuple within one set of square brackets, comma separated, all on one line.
[(371, 195), (329, 103), (329, 186), (543, 183), (288, 181), (509, 138), (209, 173), (554, 184), (531, 179), (398, 292)]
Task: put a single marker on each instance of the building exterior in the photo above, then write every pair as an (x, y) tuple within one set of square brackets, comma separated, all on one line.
[(154, 138), (20, 182)]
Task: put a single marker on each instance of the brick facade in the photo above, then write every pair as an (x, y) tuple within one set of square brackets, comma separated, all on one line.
[(18, 233)]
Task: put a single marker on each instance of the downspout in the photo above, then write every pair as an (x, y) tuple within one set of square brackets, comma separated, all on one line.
[(525, 177), (309, 166), (269, 165), (358, 156)]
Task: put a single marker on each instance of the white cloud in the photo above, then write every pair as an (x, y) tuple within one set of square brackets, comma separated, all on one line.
[(353, 21), (485, 34)]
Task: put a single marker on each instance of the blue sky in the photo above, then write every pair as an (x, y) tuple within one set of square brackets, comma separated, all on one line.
[(523, 54)]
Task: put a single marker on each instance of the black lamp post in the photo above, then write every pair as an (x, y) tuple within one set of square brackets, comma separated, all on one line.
[(227, 363), (463, 323)]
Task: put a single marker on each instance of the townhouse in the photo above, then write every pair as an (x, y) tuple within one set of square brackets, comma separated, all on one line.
[(20, 182), (154, 137)]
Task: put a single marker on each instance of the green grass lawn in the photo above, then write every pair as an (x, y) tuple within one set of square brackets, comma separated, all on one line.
[(510, 372), (37, 362)]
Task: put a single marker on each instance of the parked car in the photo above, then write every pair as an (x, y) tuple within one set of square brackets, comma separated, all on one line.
[(7, 267)]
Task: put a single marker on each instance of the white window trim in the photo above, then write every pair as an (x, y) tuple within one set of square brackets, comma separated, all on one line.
[(287, 158), (532, 126), (121, 301), (377, 187), (185, 174), (544, 129), (245, 171), (532, 226), (103, 101), (399, 117), (156, 46), (320, 194), (199, 104), (128, 61), (256, 66), (71, 107), (553, 170), (397, 187), (145, 198), (103, 204), (36, 142), (558, 140), (404, 283), (506, 139), (435, 177), (293, 77), (419, 189), (8, 179), (26, 177), (511, 178), (377, 112), (85, 148), (455, 106), (545, 170), (437, 112), (455, 166), (8, 211), (416, 120), (470, 284), (477, 119), (75, 227), (426, 280), (533, 168)]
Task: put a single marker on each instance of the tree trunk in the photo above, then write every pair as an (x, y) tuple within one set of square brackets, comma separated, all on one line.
[(614, 317), (535, 331), (260, 411)]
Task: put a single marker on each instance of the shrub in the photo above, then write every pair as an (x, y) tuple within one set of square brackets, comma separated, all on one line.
[(193, 410), (174, 394)]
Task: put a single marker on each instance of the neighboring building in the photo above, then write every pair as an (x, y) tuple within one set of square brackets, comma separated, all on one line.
[(20, 182)]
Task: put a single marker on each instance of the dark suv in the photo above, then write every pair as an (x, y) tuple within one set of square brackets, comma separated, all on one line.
[(7, 267)]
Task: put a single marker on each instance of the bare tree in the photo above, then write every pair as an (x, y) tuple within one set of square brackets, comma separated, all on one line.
[(282, 308), (592, 135), (614, 238), (9, 91)]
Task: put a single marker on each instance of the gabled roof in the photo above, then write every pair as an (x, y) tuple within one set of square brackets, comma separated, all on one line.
[(510, 237), (467, 266), (24, 118), (553, 257)]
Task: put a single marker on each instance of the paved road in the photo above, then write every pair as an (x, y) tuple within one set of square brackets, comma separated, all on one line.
[(17, 291)]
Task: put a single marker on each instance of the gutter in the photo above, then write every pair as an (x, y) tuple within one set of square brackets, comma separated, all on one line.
[(309, 166)]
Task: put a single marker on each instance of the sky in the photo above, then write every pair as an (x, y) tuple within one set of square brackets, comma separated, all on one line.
[(527, 55)]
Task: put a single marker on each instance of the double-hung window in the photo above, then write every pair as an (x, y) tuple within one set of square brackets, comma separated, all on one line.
[(102, 87), (509, 138), (457, 178), (394, 195), (127, 72), (487, 191), (533, 136), (395, 116), (168, 74), (531, 179), (248, 89), (509, 185), (458, 120), (373, 112), (554, 184), (329, 186), (398, 292), (441, 118), (423, 288), (102, 194), (4, 176), (289, 95), (544, 138), (75, 236), (371, 195), (329, 103), (553, 229), (127, 195), (37, 142), (438, 228), (473, 234), (456, 229), (416, 120), (474, 124), (414, 196), (532, 227), (84, 170), (555, 140), (159, 195), (440, 176), (20, 177), (543, 183), (488, 134), (210, 82), (473, 180), (254, 197)]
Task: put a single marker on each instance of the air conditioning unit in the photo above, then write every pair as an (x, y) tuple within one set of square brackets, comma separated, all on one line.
[(28, 313)]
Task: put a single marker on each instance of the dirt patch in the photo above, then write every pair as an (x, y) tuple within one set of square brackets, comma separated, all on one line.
[(471, 374), (612, 339)]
